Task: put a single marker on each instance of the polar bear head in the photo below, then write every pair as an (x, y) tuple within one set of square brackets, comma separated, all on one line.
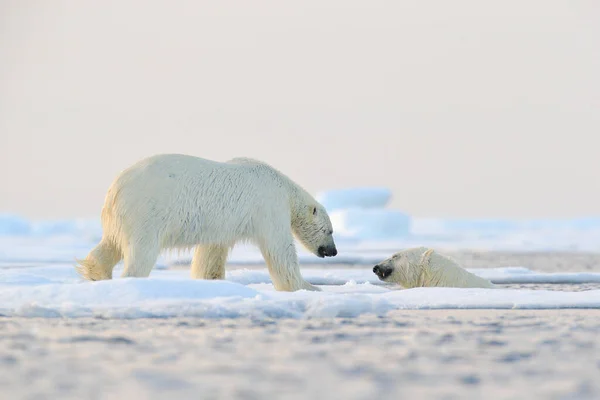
[(403, 267), (392, 269), (312, 227)]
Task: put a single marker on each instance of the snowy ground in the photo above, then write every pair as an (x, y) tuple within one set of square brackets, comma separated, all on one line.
[(37, 279), (169, 336), (56, 291), (425, 354)]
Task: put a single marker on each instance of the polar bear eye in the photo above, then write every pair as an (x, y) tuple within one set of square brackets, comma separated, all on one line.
[(314, 210)]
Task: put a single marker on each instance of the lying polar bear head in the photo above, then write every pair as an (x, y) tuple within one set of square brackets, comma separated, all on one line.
[(398, 268), (313, 229), (420, 266)]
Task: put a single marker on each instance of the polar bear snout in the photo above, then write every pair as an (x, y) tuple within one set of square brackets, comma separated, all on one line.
[(382, 272), (327, 251)]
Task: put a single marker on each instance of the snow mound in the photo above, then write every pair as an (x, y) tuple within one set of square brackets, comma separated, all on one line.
[(372, 224), (16, 226), (79, 227), (365, 197), (13, 225), (360, 214)]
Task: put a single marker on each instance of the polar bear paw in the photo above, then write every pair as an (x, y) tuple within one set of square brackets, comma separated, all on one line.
[(308, 286)]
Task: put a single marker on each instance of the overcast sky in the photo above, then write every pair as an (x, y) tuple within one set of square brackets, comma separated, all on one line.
[(462, 108)]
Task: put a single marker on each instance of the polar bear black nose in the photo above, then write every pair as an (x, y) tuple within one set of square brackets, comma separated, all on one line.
[(382, 272), (324, 251)]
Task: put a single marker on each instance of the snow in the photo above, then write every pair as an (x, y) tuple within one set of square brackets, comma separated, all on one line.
[(17, 226), (359, 213), (360, 197), (89, 228), (371, 223), (57, 291), (14, 225)]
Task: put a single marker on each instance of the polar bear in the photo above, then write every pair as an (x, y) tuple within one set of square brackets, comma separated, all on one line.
[(175, 201), (420, 266)]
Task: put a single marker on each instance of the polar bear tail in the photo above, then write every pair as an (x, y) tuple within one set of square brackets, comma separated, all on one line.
[(99, 263)]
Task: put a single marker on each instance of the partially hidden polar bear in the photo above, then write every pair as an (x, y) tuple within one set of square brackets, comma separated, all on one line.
[(420, 266), (174, 201)]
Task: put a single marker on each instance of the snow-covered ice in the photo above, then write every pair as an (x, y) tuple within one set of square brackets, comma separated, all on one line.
[(54, 291)]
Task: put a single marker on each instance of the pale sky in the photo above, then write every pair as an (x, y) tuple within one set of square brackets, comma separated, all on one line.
[(462, 108)]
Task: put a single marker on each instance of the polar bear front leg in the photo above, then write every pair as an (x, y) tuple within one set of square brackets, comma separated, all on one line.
[(209, 262), (282, 262)]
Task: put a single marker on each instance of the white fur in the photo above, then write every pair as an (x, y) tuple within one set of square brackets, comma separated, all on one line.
[(420, 266), (172, 201)]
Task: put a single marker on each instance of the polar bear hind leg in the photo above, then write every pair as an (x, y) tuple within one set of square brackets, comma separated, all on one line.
[(140, 258), (209, 262), (99, 263)]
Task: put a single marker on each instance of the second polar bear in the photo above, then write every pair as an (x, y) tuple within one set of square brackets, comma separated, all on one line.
[(178, 201), (420, 266)]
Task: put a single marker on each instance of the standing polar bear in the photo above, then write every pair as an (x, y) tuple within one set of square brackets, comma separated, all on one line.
[(420, 266), (177, 201)]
